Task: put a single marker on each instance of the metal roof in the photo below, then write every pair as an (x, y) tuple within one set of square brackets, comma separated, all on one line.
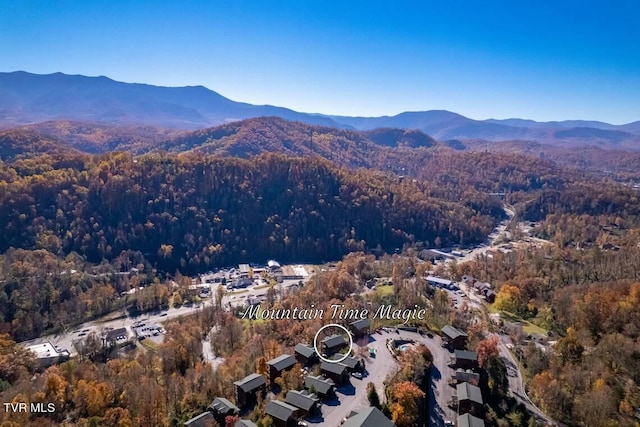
[(223, 406), (282, 362), (301, 399), (334, 341), (466, 391), (334, 368), (320, 384), (280, 410), (468, 420), (361, 324), (368, 417), (452, 332), (466, 355), (251, 382), (305, 350)]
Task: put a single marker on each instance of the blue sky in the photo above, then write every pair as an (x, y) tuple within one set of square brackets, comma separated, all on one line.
[(543, 60)]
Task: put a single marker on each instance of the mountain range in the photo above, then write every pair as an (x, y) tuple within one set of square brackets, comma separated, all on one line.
[(26, 99)]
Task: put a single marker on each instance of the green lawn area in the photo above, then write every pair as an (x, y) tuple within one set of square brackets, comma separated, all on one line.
[(527, 327), (149, 344), (384, 290)]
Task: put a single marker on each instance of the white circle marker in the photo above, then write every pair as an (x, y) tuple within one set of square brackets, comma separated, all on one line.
[(319, 353)]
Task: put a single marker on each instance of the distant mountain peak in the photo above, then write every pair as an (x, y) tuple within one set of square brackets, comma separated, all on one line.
[(27, 98)]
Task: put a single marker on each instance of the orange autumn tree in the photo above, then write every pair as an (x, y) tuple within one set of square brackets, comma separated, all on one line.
[(404, 409)]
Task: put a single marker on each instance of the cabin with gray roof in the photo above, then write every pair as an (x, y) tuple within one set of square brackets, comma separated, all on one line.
[(280, 364), (307, 403), (333, 343), (222, 408), (469, 399), (282, 413), (464, 359), (367, 417), (454, 338), (468, 420), (305, 354), (353, 364), (337, 372), (360, 328), (247, 389), (323, 387)]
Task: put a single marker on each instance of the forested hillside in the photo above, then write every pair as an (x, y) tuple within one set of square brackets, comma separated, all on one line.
[(193, 213)]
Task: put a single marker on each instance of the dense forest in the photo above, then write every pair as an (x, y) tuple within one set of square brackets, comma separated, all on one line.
[(193, 213)]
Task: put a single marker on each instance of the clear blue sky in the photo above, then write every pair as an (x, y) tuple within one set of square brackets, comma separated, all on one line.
[(543, 60)]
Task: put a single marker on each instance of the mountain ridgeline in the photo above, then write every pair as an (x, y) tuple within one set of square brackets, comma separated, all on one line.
[(27, 98)]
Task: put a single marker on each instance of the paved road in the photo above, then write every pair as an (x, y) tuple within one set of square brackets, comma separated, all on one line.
[(65, 340), (516, 384), (354, 395)]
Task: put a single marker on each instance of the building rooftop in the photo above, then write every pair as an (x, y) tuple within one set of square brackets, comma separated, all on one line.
[(468, 420), (301, 399), (367, 417), (223, 406), (439, 280), (320, 384), (361, 325), (251, 382), (282, 362), (203, 420), (466, 391), (280, 410), (466, 355), (453, 333), (350, 362), (334, 368), (44, 350), (305, 350), (246, 423), (334, 341)]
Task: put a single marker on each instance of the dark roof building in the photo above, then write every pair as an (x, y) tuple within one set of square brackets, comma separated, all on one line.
[(248, 387), (360, 327), (469, 399), (454, 338), (367, 417), (464, 359), (468, 376), (305, 353), (468, 420), (470, 392), (303, 400), (281, 412), (333, 343), (337, 372), (351, 363), (203, 420), (221, 408), (279, 364), (322, 386)]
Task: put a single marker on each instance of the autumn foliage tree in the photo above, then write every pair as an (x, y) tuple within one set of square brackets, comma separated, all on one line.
[(404, 406)]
